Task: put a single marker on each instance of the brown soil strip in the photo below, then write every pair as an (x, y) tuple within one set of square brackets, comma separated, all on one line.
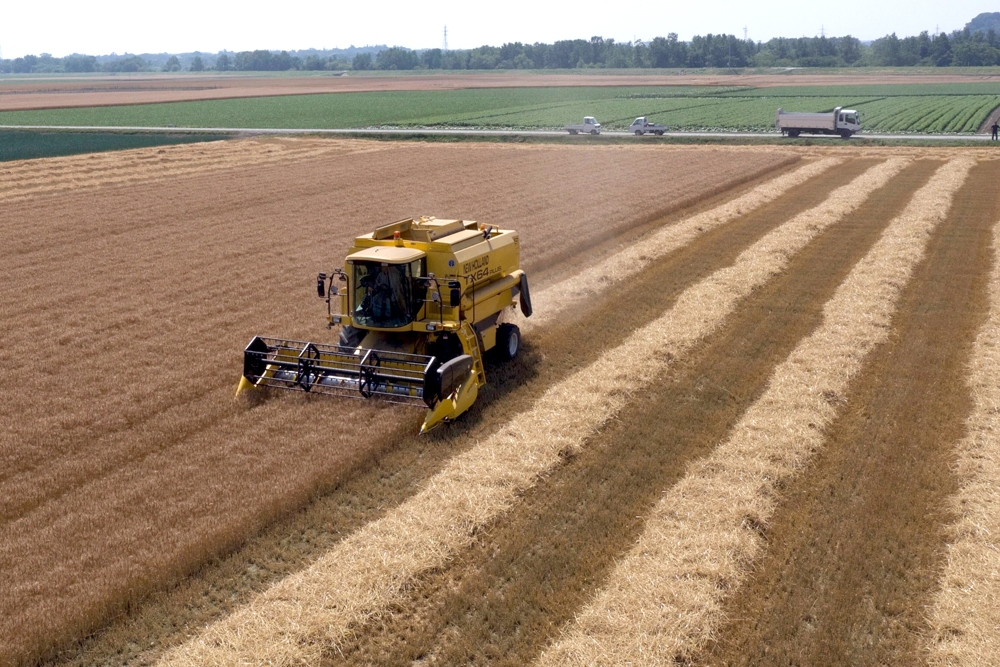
[(530, 572), (372, 568), (124, 462), (965, 614), (52, 93), (856, 547)]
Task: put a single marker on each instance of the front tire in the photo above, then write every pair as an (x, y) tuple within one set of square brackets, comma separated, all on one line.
[(845, 134), (638, 133), (594, 132), (508, 341)]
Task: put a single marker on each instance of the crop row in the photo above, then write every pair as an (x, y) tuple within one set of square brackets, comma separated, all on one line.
[(532, 108)]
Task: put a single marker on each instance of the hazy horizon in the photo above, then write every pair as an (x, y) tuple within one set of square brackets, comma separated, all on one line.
[(184, 26)]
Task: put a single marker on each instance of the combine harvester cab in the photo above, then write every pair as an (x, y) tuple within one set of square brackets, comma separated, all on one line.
[(420, 300)]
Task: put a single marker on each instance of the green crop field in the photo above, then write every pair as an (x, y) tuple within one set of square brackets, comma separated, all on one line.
[(908, 108), (26, 145)]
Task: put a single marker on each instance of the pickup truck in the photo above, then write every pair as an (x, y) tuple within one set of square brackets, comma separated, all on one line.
[(641, 126), (844, 122), (589, 125)]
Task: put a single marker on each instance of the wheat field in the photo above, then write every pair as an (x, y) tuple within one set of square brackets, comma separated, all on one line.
[(714, 326)]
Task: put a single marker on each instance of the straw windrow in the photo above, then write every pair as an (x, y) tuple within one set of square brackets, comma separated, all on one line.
[(580, 287), (965, 614), (299, 618), (661, 603)]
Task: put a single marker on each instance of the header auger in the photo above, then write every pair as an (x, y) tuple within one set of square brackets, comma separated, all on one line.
[(420, 301)]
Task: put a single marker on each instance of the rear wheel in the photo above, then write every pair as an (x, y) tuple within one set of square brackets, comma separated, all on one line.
[(793, 133), (659, 133), (572, 131), (508, 341)]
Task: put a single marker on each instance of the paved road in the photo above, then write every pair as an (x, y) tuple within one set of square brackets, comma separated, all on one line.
[(477, 133)]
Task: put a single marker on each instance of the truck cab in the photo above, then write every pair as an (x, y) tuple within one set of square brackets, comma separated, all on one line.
[(848, 120)]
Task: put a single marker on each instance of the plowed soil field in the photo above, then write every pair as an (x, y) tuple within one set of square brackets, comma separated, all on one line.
[(738, 433)]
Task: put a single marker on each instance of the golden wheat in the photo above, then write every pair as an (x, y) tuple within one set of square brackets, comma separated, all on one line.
[(661, 603), (124, 462), (295, 620)]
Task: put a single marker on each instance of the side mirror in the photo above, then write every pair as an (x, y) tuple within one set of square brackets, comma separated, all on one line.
[(321, 285), (456, 297)]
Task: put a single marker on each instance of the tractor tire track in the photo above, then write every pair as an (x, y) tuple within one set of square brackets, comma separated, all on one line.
[(526, 575), (857, 542)]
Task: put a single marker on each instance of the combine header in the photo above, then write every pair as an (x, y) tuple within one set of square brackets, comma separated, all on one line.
[(420, 301)]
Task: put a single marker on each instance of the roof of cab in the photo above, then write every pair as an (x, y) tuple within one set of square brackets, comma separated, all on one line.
[(387, 254)]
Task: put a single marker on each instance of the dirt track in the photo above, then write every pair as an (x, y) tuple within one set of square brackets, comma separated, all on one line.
[(149, 89)]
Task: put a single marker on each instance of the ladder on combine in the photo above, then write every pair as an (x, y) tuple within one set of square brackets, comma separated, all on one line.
[(470, 341)]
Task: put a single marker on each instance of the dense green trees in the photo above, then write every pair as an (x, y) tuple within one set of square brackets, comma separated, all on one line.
[(973, 46)]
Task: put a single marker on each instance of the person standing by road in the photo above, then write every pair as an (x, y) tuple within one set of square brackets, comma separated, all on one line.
[(996, 128)]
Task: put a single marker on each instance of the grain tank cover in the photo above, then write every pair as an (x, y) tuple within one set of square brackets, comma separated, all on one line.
[(421, 230)]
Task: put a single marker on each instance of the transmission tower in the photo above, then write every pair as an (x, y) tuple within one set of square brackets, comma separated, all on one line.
[(446, 38), (744, 33)]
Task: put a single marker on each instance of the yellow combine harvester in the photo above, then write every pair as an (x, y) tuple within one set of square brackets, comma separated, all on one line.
[(421, 300)]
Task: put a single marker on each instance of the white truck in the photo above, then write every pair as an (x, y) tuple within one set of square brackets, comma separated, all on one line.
[(640, 126), (588, 126), (844, 122)]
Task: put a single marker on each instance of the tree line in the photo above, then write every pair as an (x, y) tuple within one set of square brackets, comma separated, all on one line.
[(959, 48)]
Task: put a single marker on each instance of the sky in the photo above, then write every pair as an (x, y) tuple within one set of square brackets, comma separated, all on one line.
[(99, 27)]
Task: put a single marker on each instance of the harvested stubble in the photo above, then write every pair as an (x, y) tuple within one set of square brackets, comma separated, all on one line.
[(575, 290), (525, 576), (124, 462), (661, 604), (856, 544), (299, 618), (31, 178), (965, 614)]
